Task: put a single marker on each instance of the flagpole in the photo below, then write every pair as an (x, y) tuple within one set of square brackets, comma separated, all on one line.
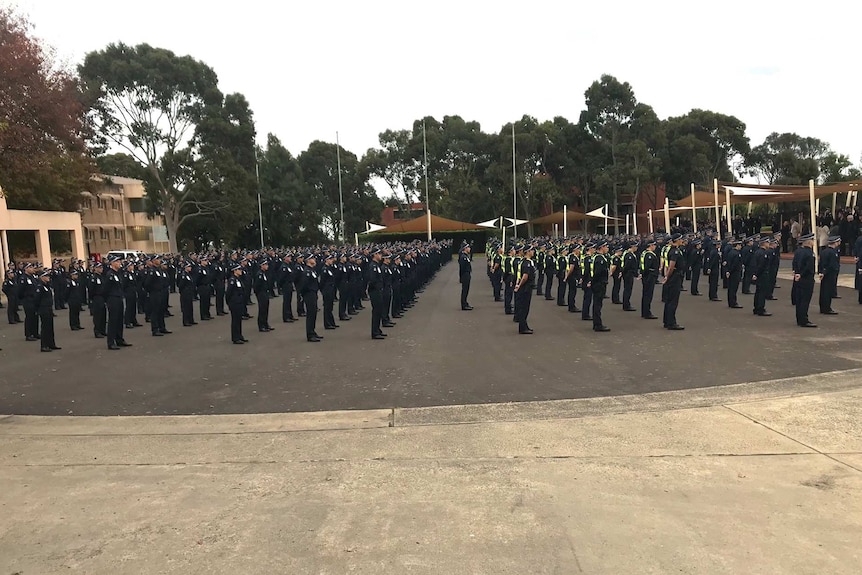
[(813, 222), (259, 206), (649, 214), (340, 192), (606, 219), (565, 222), (427, 203), (514, 187), (503, 227), (727, 210), (717, 215), (693, 209), (666, 215), (635, 222)]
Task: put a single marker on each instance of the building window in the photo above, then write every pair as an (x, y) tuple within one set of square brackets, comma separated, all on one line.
[(91, 235), (140, 233), (103, 233), (101, 204), (138, 205), (118, 234), (115, 204), (88, 204)]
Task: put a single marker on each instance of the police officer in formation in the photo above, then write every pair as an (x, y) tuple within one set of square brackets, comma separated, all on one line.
[(465, 271)]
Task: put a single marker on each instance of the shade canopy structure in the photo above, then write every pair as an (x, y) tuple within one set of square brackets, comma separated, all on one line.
[(420, 224), (557, 218), (765, 194), (704, 200)]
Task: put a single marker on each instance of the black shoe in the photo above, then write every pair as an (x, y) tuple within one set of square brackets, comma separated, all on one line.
[(498, 299), (809, 324), (693, 293), (46, 349), (328, 327), (244, 340), (675, 327), (313, 339), (526, 332), (833, 297), (221, 313), (650, 317), (397, 316), (99, 335), (714, 299), (167, 331), (124, 344), (830, 312), (138, 325), (113, 347), (587, 318), (601, 328), (239, 341), (158, 334), (187, 325), (737, 306), (764, 314), (32, 339), (509, 313), (468, 308), (55, 347), (206, 318), (389, 324), (378, 336), (576, 310), (262, 329), (629, 309), (318, 336)]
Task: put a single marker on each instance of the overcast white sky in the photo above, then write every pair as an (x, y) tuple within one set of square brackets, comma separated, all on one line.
[(311, 68)]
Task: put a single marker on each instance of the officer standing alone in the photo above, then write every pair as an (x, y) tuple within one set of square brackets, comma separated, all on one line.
[(465, 270)]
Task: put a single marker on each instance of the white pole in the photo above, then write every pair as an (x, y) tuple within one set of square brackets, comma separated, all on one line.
[(259, 207), (717, 218), (649, 215), (728, 210), (340, 193), (750, 207), (565, 222), (834, 202), (677, 221), (356, 238), (606, 219), (514, 187), (627, 224), (427, 204), (635, 223), (693, 209), (556, 230), (503, 226), (666, 215), (812, 207)]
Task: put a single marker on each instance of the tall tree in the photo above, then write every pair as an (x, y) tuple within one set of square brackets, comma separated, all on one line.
[(44, 161), (608, 116), (152, 104), (121, 165), (789, 158)]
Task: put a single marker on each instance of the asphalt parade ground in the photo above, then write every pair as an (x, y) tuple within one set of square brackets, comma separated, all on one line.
[(436, 355)]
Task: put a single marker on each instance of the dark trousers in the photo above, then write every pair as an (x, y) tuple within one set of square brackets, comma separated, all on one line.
[(12, 310), (496, 285), (628, 284), (309, 299), (732, 288), (648, 283), (540, 281), (205, 295), (746, 282), (587, 303), (508, 294), (74, 314), (615, 290), (31, 319), (157, 311), (804, 292), (561, 292), (131, 308), (397, 292), (760, 296), (674, 289), (328, 306), (599, 291), (376, 297), (187, 302), (549, 283), (465, 290), (115, 320), (46, 317), (100, 317), (287, 305), (387, 303), (236, 310), (713, 284), (523, 298), (343, 296), (695, 280), (262, 309), (219, 296), (572, 297), (828, 287)]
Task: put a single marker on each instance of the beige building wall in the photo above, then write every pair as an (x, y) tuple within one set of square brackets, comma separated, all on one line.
[(114, 217)]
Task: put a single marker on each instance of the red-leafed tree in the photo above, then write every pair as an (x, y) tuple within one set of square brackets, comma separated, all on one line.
[(44, 161)]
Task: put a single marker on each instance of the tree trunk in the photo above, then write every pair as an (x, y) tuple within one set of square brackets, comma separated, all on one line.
[(172, 223)]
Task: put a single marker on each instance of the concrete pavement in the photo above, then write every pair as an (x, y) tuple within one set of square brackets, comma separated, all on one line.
[(747, 478)]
